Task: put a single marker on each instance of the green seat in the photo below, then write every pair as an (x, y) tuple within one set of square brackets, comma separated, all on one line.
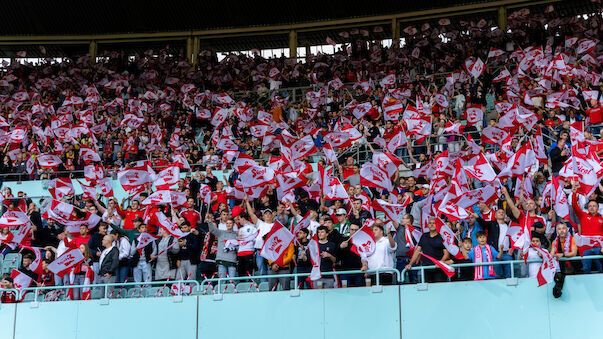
[(264, 287), (246, 287)]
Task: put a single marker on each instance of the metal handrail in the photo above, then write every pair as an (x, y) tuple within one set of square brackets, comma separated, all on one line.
[(142, 284), (295, 276), (501, 262)]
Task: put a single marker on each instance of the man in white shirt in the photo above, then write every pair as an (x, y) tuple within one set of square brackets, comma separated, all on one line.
[(264, 226), (383, 257)]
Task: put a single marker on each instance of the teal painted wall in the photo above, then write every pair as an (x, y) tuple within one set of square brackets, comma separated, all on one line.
[(464, 310)]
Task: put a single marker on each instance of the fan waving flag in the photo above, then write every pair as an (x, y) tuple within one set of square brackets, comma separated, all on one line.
[(60, 187), (372, 176), (448, 236), (448, 270), (276, 243), (394, 212), (314, 251), (547, 269), (61, 265), (143, 240), (363, 241), (167, 178), (584, 242), (13, 219)]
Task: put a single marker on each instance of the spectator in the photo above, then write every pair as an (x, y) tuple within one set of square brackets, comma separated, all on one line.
[(165, 256), (343, 225), (189, 253), (350, 261), (95, 244), (431, 243), (281, 267), (483, 253), (303, 263), (108, 264), (383, 257), (327, 257), (141, 260), (225, 258), (590, 224)]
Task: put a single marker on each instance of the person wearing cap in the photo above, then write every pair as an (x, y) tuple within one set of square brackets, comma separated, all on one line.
[(264, 226), (343, 226)]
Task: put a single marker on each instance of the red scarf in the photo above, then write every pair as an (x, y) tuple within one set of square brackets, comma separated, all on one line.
[(567, 244), (479, 270)]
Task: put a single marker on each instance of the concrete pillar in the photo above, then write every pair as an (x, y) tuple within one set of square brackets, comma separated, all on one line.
[(293, 44), (395, 33), (189, 49), (92, 52), (502, 18)]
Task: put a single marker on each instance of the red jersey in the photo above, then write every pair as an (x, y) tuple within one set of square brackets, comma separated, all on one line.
[(591, 224), (220, 198), (192, 216)]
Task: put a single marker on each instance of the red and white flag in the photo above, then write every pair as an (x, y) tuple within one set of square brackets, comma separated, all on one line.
[(397, 141), (363, 241), (60, 187), (167, 178), (303, 147), (372, 176), (88, 280), (448, 236), (394, 212), (131, 179), (256, 176), (13, 219), (143, 240), (105, 187), (36, 264), (504, 74), (276, 243), (63, 264), (481, 169), (49, 160), (493, 135), (220, 116), (21, 280), (548, 268), (495, 52), (314, 251), (477, 68), (92, 173), (88, 154), (169, 226), (448, 270), (474, 114)]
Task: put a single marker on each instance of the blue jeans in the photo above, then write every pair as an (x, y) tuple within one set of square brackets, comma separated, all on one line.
[(503, 271), (142, 272), (122, 274), (411, 277), (260, 262), (353, 280), (222, 270), (587, 263)]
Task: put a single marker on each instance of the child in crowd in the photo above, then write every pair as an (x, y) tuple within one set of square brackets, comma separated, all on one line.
[(480, 254)]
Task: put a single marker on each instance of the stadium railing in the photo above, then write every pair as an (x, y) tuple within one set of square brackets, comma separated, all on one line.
[(422, 269)]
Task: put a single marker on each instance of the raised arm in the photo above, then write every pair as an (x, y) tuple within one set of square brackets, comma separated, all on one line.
[(250, 211), (511, 203)]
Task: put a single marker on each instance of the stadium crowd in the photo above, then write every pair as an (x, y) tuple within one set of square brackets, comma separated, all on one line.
[(483, 145)]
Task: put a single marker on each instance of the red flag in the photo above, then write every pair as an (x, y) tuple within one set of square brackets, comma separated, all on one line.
[(63, 264), (372, 176), (143, 240), (363, 241), (60, 187), (448, 270), (13, 219), (547, 269), (276, 243)]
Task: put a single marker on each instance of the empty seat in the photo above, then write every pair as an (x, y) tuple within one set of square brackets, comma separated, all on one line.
[(12, 259), (152, 292), (264, 287), (246, 287), (136, 292)]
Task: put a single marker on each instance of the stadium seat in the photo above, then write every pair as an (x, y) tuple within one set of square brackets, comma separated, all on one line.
[(160, 291), (135, 292), (29, 297), (245, 287), (97, 293), (264, 287)]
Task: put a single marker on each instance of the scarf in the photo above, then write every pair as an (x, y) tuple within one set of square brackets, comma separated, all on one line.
[(567, 244), (479, 270)]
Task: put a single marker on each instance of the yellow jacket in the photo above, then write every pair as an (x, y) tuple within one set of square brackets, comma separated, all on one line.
[(287, 257)]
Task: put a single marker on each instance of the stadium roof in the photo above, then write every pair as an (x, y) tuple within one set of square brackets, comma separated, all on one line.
[(68, 17)]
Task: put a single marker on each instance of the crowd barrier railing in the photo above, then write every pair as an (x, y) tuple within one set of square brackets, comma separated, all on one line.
[(422, 269), (295, 276), (142, 285)]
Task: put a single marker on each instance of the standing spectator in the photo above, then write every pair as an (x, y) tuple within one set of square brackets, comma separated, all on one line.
[(225, 258), (165, 256), (302, 257), (281, 268), (383, 257), (123, 245), (327, 257), (432, 244), (558, 155), (483, 253), (141, 261), (108, 263), (358, 215), (80, 270), (590, 224), (264, 226), (350, 261), (189, 253), (95, 244), (402, 248), (343, 225)]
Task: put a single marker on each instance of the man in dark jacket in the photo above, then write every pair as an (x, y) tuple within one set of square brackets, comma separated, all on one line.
[(189, 253), (95, 243), (350, 261), (108, 263), (558, 156)]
